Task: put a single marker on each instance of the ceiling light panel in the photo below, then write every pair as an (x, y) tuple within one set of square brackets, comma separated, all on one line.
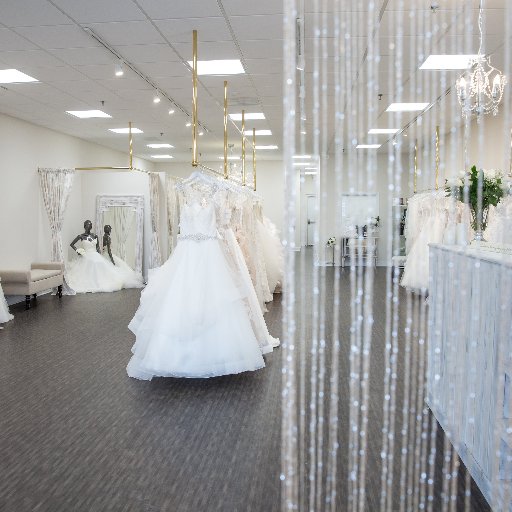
[(368, 146), (125, 130), (159, 146), (13, 76), (162, 156), (248, 116), (270, 146), (447, 62), (378, 131), (87, 114), (407, 107), (248, 133), (219, 67)]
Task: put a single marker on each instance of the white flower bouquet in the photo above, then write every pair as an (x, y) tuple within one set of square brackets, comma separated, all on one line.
[(331, 242), (80, 251)]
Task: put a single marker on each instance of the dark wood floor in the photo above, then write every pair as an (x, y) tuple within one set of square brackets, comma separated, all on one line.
[(76, 434)]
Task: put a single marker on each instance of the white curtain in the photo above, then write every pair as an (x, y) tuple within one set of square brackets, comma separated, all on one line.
[(155, 259), (172, 211), (56, 186), (122, 217)]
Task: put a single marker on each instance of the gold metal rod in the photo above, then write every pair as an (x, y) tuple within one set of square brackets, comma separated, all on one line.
[(415, 166), (437, 158), (243, 147), (130, 141), (225, 129), (194, 98), (254, 158), (102, 168)]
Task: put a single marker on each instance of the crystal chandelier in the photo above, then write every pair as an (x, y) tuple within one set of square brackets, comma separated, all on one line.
[(480, 88)]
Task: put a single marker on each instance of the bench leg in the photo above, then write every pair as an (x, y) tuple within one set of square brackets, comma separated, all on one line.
[(35, 297), (27, 301), (59, 291)]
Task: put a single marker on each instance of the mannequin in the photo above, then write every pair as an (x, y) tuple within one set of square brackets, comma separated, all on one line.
[(86, 235), (107, 229)]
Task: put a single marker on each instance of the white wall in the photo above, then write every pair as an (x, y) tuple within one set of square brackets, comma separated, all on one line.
[(23, 221)]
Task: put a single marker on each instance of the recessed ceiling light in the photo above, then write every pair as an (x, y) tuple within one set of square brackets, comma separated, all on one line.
[(310, 173), (171, 111), (156, 98), (12, 76), (304, 132), (119, 71), (125, 130), (407, 107), (448, 62), (368, 146), (376, 131), (302, 157), (248, 116), (87, 114), (201, 133), (271, 146), (159, 146), (230, 158), (188, 124), (219, 67), (258, 132), (162, 156)]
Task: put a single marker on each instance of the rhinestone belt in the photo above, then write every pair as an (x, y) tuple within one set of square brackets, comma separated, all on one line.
[(197, 237)]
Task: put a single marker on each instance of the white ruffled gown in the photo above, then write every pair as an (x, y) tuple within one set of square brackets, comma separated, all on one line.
[(192, 320), (91, 273), (130, 278), (5, 316)]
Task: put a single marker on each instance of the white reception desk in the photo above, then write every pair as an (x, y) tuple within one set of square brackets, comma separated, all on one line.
[(469, 381)]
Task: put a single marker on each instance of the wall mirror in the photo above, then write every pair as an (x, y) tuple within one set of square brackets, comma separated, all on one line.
[(126, 216)]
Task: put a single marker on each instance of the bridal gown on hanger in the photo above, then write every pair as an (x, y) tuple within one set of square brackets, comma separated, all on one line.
[(192, 320), (5, 316), (91, 273)]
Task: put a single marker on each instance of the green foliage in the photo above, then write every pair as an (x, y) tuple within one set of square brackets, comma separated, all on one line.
[(492, 192)]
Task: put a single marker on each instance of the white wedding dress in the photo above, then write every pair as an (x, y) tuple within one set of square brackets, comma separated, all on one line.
[(192, 320), (5, 316), (91, 273), (129, 277)]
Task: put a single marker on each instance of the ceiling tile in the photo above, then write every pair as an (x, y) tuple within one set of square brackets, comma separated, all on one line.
[(237, 8), (163, 9), (84, 56), (25, 13), (20, 59), (164, 69), (261, 48), (261, 66), (251, 27), (57, 36), (91, 11), (208, 29), (214, 50), (147, 53), (127, 32), (11, 41)]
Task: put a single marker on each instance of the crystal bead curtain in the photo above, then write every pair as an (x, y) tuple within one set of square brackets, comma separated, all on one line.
[(363, 426)]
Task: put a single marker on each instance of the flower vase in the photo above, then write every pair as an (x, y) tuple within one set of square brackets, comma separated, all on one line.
[(479, 228)]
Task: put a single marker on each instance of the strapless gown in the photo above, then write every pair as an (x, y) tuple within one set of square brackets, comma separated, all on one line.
[(192, 320), (91, 273), (5, 316)]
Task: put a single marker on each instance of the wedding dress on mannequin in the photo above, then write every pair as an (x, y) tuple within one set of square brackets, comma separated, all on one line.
[(91, 273), (192, 320), (5, 316)]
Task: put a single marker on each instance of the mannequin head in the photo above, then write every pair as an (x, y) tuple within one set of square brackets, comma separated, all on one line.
[(87, 226), (107, 229)]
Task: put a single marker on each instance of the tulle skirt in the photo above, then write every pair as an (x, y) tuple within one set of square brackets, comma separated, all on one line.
[(5, 316), (130, 278), (91, 273), (272, 253), (192, 320)]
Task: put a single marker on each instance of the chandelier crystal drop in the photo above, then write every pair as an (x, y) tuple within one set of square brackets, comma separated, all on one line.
[(480, 88)]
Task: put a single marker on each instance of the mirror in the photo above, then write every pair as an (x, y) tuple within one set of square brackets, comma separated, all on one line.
[(125, 214)]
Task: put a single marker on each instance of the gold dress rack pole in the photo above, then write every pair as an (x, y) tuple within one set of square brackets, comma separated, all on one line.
[(225, 129), (194, 98), (415, 179), (437, 157), (130, 142), (254, 158), (243, 147)]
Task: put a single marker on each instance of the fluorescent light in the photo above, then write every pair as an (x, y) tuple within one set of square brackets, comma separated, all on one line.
[(87, 114), (302, 157), (311, 169), (368, 146), (219, 67), (310, 173), (448, 61), (267, 147), (12, 76), (376, 131), (247, 116), (159, 146), (230, 158), (125, 130), (300, 164), (162, 156), (258, 132), (407, 107)]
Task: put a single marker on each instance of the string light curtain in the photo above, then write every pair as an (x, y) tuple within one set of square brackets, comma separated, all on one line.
[(363, 411)]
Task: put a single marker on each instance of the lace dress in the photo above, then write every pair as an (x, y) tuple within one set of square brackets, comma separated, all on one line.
[(192, 320)]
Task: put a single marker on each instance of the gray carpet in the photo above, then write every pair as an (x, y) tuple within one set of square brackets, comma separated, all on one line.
[(76, 434)]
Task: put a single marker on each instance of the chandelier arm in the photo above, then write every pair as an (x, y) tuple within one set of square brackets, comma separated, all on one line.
[(480, 26)]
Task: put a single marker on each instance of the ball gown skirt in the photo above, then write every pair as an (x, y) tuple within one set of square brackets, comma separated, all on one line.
[(5, 316), (192, 320), (130, 278)]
